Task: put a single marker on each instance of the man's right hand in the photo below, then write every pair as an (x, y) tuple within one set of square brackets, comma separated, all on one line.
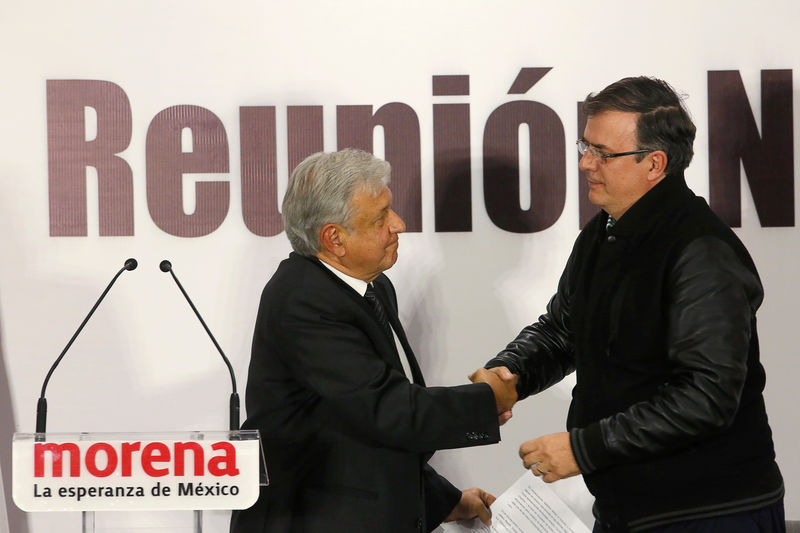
[(503, 384)]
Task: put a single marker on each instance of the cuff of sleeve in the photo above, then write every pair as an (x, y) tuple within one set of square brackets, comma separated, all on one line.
[(588, 448), (441, 497), (453, 498), (488, 412)]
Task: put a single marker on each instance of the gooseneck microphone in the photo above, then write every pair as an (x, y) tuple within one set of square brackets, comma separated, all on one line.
[(166, 266), (41, 406)]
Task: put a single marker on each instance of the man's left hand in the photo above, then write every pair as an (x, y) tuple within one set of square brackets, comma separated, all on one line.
[(474, 502), (550, 457)]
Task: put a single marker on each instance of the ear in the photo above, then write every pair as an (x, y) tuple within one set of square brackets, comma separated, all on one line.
[(658, 165), (330, 236)]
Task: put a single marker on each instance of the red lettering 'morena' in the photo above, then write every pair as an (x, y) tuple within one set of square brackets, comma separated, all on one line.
[(157, 459)]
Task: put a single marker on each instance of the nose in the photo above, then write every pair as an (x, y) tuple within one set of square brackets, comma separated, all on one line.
[(587, 162), (396, 224)]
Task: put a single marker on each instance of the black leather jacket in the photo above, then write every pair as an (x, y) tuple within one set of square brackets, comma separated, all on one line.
[(658, 318)]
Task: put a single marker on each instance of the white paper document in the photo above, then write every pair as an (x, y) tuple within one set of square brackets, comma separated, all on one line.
[(528, 506)]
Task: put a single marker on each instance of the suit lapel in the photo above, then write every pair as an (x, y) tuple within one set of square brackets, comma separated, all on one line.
[(385, 347), (390, 304)]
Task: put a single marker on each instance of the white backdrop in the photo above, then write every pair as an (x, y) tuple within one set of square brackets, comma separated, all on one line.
[(144, 363)]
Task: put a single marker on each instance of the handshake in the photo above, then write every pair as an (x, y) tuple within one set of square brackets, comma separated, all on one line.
[(504, 387)]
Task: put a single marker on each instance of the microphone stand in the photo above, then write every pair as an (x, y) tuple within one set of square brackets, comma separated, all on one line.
[(233, 406), (41, 406)]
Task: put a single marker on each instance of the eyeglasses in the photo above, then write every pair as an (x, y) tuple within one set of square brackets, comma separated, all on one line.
[(584, 147)]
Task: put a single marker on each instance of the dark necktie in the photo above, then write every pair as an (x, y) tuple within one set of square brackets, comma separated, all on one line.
[(380, 313)]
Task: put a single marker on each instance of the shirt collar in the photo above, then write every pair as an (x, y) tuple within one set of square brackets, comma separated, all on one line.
[(358, 285)]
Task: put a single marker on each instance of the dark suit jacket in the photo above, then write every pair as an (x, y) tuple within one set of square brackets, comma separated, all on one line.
[(346, 436)]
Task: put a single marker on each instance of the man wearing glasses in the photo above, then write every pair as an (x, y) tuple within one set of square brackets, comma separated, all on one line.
[(655, 310)]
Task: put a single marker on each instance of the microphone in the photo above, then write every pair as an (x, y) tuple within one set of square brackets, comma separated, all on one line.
[(41, 406), (166, 266)]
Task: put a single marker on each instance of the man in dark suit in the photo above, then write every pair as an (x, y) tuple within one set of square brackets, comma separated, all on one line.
[(346, 420)]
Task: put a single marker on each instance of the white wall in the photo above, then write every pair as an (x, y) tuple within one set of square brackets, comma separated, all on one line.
[(144, 363)]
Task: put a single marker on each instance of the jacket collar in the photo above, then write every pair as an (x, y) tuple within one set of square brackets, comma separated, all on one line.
[(651, 208)]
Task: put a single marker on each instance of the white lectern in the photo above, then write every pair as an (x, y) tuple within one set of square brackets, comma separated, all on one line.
[(90, 472)]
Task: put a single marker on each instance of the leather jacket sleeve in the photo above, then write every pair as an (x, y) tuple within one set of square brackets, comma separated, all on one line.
[(543, 353), (713, 298)]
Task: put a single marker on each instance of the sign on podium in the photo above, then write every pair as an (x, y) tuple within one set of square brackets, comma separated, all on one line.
[(198, 470)]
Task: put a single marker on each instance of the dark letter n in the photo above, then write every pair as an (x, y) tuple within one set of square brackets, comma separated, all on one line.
[(767, 159)]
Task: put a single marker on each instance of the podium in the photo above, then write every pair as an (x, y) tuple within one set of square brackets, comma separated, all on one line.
[(163, 471)]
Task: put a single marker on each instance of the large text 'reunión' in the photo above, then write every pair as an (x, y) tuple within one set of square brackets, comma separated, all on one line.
[(186, 140)]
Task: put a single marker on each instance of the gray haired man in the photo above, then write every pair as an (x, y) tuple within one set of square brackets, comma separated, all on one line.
[(346, 420)]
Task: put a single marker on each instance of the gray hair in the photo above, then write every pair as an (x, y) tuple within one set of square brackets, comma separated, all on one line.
[(321, 190)]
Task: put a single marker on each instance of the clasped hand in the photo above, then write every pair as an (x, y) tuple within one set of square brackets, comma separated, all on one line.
[(504, 387)]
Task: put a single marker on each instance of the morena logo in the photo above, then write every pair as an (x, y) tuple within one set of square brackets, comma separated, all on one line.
[(156, 459)]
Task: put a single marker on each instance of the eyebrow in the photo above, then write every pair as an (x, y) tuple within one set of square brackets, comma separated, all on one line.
[(383, 212), (600, 146)]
